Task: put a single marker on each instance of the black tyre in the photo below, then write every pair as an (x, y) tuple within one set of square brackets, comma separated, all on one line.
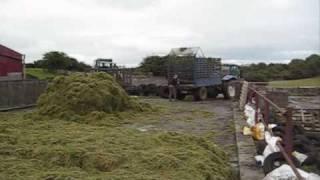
[(140, 90), (212, 92), (164, 91), (302, 139), (297, 129), (311, 159), (200, 94), (275, 160), (144, 90), (279, 131), (152, 89), (260, 146), (301, 147), (314, 139), (180, 96)]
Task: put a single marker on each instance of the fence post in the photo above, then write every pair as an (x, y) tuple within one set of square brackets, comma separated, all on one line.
[(266, 112), (288, 132), (256, 99)]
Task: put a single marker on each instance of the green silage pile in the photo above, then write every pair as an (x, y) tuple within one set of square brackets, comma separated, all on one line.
[(78, 95)]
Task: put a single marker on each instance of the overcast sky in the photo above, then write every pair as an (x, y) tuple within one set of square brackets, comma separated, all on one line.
[(239, 31)]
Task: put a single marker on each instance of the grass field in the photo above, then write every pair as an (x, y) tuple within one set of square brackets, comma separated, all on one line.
[(115, 147), (40, 73), (314, 82)]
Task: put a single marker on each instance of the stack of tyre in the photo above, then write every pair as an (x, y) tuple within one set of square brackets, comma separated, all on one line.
[(303, 142)]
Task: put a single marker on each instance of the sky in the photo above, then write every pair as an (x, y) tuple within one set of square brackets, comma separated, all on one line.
[(238, 31)]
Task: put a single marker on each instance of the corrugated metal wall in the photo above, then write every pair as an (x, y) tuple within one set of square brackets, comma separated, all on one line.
[(20, 93), (10, 61)]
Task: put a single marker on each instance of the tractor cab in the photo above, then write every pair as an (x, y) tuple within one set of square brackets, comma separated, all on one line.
[(230, 72), (104, 64)]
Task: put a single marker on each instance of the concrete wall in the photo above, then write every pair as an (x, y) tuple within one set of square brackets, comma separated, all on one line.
[(20, 93), (12, 76)]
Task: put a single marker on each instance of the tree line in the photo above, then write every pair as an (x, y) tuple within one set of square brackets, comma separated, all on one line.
[(55, 60), (295, 69)]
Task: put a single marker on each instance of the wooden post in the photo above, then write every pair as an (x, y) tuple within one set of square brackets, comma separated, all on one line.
[(288, 132), (256, 98), (266, 112)]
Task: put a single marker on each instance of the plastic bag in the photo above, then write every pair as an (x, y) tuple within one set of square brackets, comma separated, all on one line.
[(249, 112), (285, 172), (301, 157), (246, 131), (272, 144)]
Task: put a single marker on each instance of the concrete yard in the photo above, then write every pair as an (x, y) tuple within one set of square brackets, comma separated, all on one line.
[(217, 121)]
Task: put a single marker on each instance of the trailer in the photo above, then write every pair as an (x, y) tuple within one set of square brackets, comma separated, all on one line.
[(200, 76)]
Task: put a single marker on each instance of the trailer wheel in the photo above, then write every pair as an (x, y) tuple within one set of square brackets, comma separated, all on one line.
[(164, 91), (180, 96), (200, 94), (229, 90), (275, 160)]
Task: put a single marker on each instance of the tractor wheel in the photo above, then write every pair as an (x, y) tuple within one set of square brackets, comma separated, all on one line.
[(229, 90), (212, 92), (200, 94)]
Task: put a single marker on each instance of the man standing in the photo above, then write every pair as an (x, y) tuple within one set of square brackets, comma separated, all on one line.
[(173, 84)]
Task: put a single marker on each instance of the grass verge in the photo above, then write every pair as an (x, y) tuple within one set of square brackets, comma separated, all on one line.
[(40, 73), (314, 82)]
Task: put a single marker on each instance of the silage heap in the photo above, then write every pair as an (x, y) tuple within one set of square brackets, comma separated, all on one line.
[(78, 95)]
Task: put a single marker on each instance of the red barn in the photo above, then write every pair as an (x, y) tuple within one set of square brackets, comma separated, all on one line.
[(11, 64)]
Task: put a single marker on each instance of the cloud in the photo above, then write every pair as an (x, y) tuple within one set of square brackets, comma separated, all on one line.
[(128, 30)]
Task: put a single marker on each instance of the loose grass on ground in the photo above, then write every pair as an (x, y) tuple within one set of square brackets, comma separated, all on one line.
[(60, 149), (40, 73), (313, 82)]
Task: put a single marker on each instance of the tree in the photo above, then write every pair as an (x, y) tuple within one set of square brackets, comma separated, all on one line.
[(56, 60), (155, 64)]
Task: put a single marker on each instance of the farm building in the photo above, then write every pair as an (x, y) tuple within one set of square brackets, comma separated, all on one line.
[(11, 64)]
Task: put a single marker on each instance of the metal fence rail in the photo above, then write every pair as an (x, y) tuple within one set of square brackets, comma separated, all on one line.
[(264, 104)]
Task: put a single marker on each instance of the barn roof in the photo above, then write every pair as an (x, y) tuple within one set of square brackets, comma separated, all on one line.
[(7, 52)]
